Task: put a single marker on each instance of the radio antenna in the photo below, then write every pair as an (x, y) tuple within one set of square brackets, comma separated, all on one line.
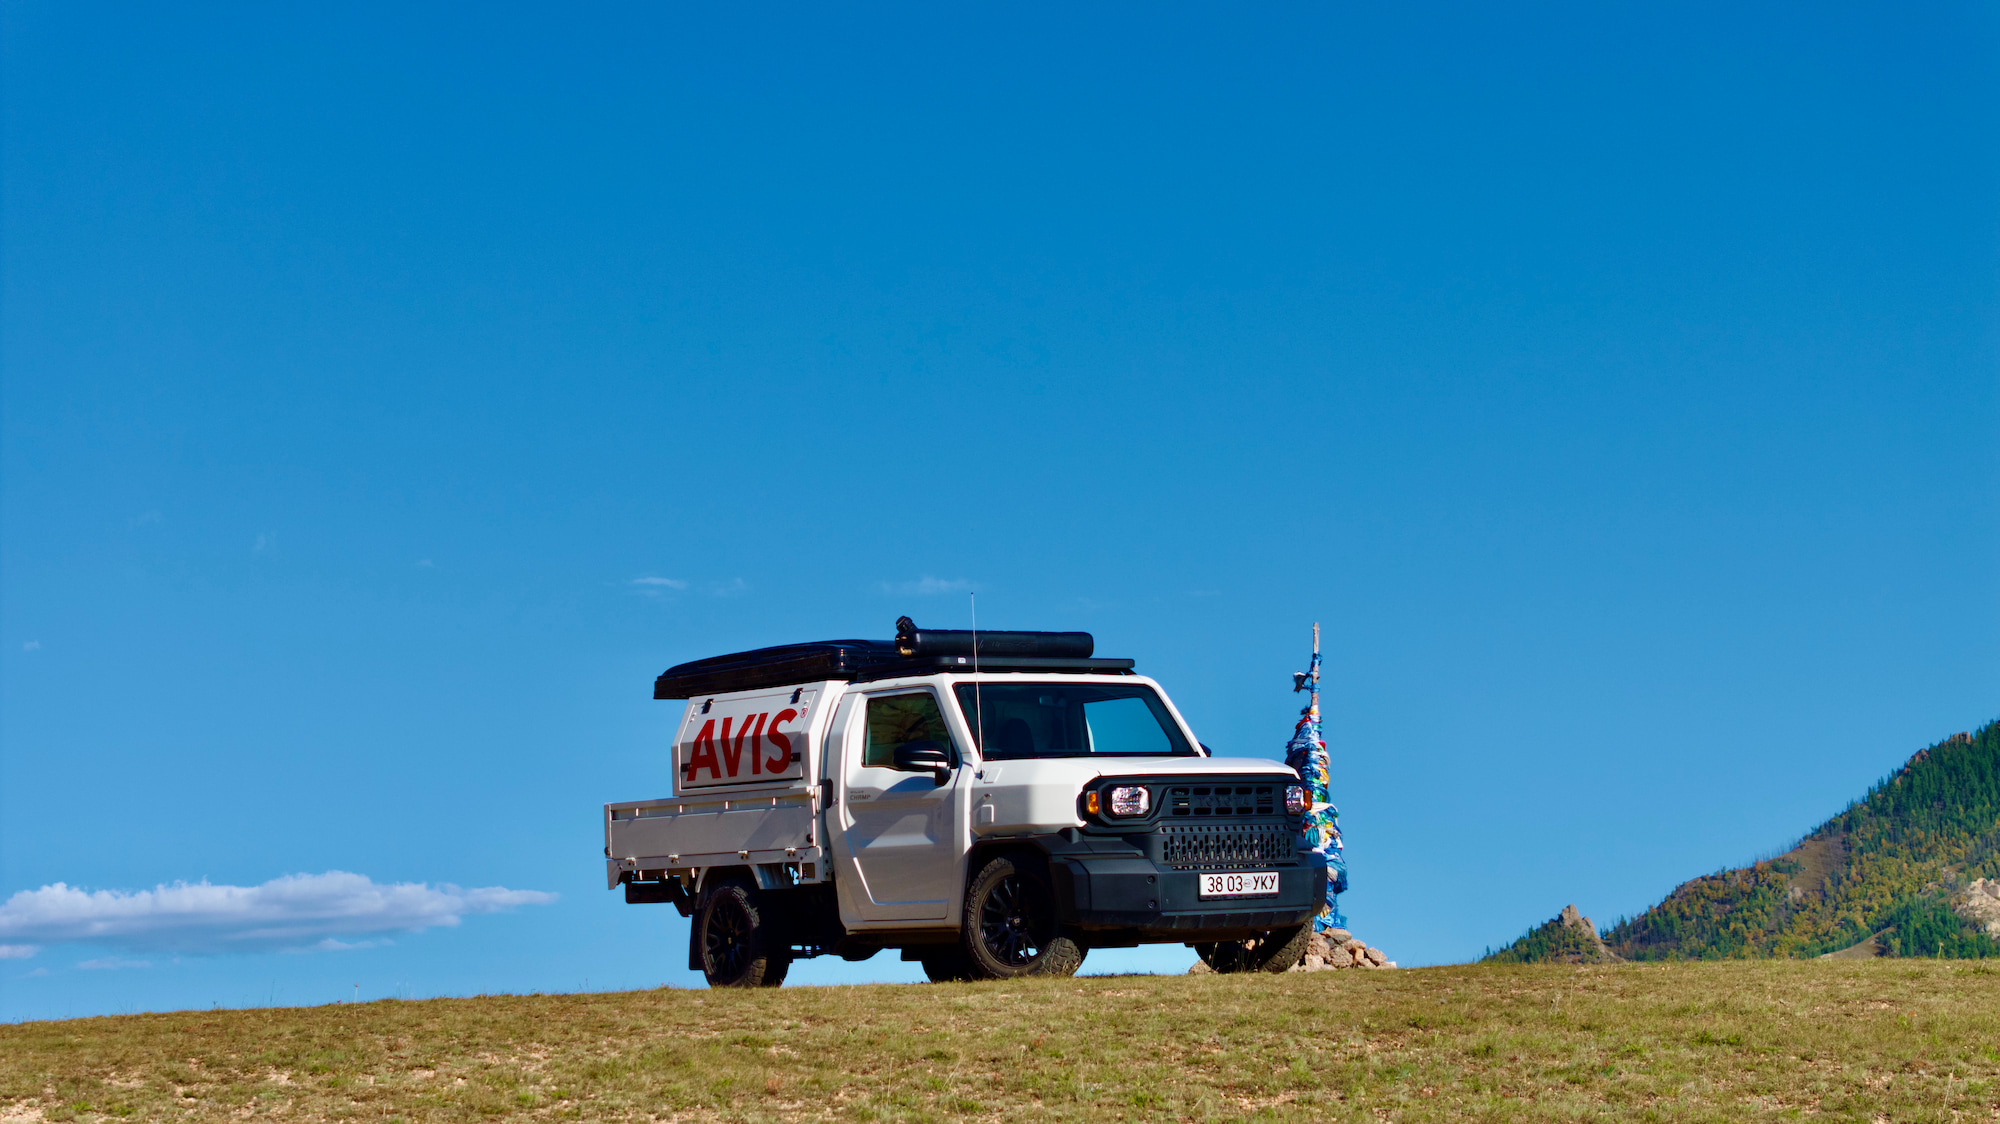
[(978, 710)]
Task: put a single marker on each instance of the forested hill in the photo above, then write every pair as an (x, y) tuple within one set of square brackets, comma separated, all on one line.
[(1896, 866)]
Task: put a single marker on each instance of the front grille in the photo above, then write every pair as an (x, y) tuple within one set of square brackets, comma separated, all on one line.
[(1222, 800), (1217, 846)]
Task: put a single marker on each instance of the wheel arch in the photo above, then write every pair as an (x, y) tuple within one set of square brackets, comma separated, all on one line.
[(1032, 853), (716, 875), (984, 853)]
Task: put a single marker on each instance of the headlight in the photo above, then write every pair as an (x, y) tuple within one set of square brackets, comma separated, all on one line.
[(1130, 800), (1295, 800)]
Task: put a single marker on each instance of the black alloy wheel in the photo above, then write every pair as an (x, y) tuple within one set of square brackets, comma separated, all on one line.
[(738, 947), (1014, 921), (1010, 926)]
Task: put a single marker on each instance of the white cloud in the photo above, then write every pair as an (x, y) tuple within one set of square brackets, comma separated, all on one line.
[(31, 645), (927, 586), (112, 964), (291, 912), (16, 951), (426, 564), (264, 543), (658, 587), (36, 974), (328, 944)]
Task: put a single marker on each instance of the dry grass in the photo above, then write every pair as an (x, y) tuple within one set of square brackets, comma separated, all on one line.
[(1902, 1041)]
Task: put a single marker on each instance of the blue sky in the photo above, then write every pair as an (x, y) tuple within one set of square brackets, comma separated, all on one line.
[(1617, 387)]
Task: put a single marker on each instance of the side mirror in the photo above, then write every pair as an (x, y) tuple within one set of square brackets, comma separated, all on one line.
[(923, 757)]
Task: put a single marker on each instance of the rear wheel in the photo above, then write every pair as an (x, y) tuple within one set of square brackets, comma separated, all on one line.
[(1275, 951), (1010, 927), (736, 939)]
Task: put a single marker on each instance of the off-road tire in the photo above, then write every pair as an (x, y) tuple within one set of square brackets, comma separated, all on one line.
[(1010, 928), (948, 964), (1276, 951), (736, 939)]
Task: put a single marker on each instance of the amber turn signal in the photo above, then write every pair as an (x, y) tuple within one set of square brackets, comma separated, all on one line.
[(1090, 802)]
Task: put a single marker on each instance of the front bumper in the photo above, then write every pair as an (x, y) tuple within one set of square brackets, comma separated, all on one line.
[(1115, 898)]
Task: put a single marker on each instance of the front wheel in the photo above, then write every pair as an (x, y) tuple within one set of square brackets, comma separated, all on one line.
[(1275, 951), (737, 940), (1010, 925)]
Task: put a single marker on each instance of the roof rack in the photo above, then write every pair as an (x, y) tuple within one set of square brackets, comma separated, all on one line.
[(911, 653)]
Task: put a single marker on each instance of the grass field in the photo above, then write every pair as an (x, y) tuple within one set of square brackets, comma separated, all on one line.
[(1882, 1040)]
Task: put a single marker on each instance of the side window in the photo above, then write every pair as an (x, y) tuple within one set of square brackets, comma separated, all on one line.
[(895, 720)]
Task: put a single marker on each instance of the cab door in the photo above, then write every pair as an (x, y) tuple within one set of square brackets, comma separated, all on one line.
[(900, 831)]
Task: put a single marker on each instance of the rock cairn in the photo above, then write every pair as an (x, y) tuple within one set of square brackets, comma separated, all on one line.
[(1334, 948), (1338, 948)]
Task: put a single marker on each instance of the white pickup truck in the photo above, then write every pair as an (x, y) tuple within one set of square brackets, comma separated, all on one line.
[(991, 804)]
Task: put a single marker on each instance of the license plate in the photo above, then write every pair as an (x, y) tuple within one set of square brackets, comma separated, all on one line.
[(1249, 884)]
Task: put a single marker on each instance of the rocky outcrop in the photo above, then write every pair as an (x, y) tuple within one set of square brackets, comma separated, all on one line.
[(1586, 947), (1567, 938), (1979, 903)]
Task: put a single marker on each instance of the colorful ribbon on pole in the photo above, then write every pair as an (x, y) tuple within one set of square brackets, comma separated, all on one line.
[(1306, 752)]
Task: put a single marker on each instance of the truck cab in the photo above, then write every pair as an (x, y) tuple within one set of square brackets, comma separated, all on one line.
[(991, 805)]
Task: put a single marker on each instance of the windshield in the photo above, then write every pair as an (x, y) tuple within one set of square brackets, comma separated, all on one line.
[(1069, 720)]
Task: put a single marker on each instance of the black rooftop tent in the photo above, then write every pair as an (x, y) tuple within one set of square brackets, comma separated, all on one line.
[(913, 652)]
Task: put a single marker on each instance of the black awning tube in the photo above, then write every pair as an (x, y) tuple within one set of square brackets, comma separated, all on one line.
[(912, 641)]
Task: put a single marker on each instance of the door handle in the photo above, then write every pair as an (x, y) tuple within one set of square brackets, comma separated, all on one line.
[(825, 793)]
